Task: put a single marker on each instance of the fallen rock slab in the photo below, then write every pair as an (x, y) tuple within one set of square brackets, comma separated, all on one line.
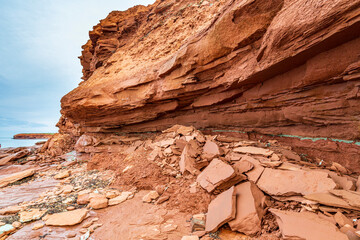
[(187, 160), (221, 210), (351, 197), (216, 174), (306, 225), (69, 218), (287, 183), (16, 177), (250, 202), (254, 151)]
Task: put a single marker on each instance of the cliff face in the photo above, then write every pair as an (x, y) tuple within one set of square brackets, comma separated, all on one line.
[(272, 67)]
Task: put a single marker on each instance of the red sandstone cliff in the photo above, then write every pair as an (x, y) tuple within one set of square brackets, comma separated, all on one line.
[(278, 67), (268, 67)]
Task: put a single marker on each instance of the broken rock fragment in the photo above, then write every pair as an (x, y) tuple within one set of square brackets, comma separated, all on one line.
[(243, 166), (287, 183), (351, 197), (217, 174), (306, 225), (255, 173), (250, 202), (187, 159), (152, 195), (98, 202), (221, 210), (66, 218), (234, 156)]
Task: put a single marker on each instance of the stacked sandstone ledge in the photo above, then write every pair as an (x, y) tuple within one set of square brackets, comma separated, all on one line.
[(259, 67)]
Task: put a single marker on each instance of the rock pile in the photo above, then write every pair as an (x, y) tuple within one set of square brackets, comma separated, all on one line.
[(226, 185), (250, 181)]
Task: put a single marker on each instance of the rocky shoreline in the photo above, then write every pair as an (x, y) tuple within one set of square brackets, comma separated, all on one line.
[(178, 184), (201, 120)]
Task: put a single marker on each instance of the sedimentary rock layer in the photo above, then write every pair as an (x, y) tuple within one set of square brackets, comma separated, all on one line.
[(273, 67)]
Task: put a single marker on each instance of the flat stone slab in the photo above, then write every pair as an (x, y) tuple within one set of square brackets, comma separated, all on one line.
[(254, 151), (329, 200), (221, 210), (288, 183), (66, 218), (306, 225), (351, 197)]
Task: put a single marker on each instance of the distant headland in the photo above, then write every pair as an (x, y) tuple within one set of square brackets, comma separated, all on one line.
[(33, 135)]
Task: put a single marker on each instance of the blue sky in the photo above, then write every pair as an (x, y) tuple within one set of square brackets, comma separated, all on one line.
[(40, 41)]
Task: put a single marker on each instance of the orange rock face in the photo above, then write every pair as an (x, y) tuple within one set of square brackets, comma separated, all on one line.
[(273, 67)]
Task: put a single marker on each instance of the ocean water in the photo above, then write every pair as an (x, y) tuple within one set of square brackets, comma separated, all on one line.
[(9, 142)]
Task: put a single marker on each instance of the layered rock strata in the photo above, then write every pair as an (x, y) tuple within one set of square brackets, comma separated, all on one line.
[(279, 67), (262, 68)]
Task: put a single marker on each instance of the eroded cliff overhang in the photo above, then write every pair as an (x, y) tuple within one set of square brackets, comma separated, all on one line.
[(274, 67)]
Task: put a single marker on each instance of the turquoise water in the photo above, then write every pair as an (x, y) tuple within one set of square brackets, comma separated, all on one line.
[(9, 142)]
